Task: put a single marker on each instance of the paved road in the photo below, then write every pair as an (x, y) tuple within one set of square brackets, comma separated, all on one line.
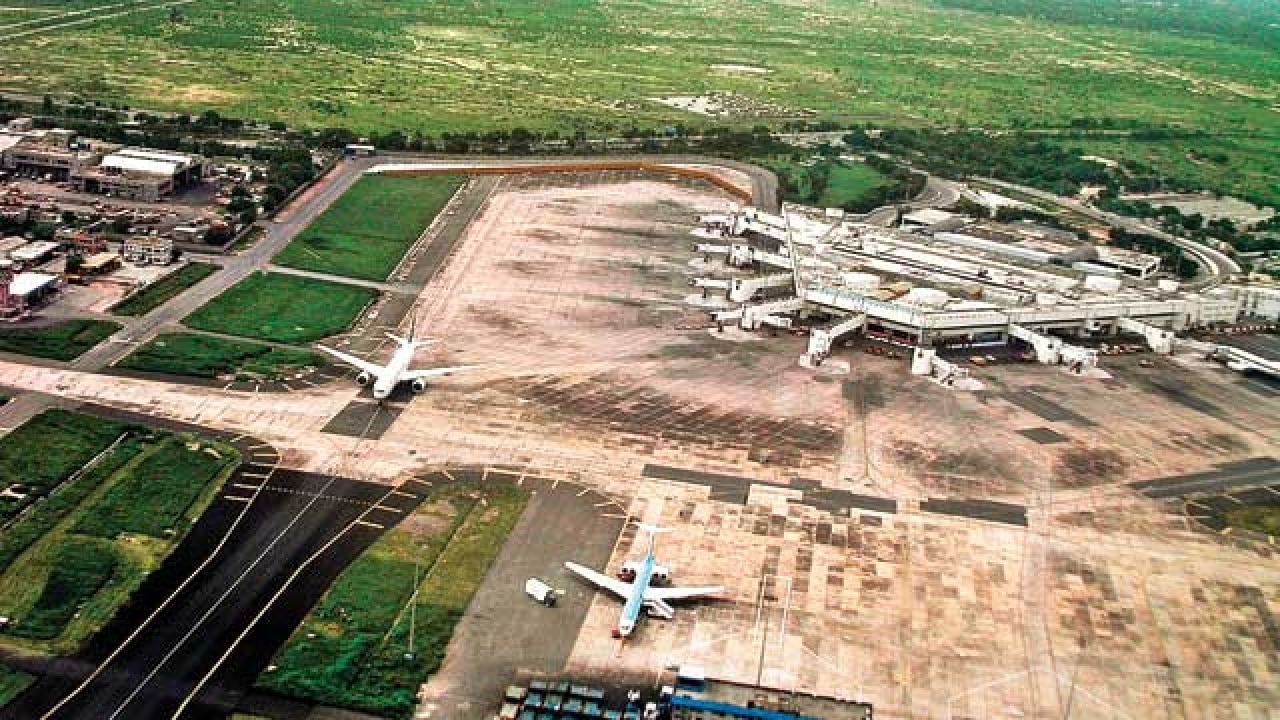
[(1218, 265)]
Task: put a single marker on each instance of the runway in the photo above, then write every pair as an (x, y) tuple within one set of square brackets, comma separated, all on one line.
[(198, 633)]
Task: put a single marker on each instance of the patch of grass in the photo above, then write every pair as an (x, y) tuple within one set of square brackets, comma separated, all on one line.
[(355, 655), (154, 497), (148, 482), (210, 357), (47, 449), (849, 182), (12, 683), (64, 341), (366, 232), (32, 526), (80, 568), (1258, 518), (282, 308), (158, 293)]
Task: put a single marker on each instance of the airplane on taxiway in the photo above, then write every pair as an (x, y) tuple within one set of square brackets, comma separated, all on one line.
[(385, 378), (639, 592)]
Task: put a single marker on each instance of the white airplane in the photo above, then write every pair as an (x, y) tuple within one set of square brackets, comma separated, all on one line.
[(386, 378), (640, 593)]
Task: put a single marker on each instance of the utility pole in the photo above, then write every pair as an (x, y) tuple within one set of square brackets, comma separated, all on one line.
[(413, 611)]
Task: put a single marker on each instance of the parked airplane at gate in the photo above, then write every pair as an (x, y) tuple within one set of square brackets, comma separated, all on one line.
[(640, 593), (386, 378)]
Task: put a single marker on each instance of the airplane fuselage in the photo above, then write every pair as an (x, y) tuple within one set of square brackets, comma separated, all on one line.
[(631, 610), (388, 380)]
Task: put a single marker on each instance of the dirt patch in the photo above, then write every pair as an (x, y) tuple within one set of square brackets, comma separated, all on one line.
[(961, 473), (1079, 466)]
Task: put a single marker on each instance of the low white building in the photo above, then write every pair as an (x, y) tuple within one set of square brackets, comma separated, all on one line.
[(147, 250)]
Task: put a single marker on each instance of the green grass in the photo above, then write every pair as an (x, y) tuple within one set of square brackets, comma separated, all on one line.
[(282, 308), (1258, 518), (80, 568), (153, 499), (366, 232), (849, 182), (12, 683), (211, 357), (70, 562), (358, 632), (47, 449), (158, 293), (63, 341)]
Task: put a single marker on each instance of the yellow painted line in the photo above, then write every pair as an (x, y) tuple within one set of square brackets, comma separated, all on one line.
[(388, 508), (256, 475), (237, 498), (366, 523), (245, 486), (584, 492), (259, 446), (614, 515), (402, 493)]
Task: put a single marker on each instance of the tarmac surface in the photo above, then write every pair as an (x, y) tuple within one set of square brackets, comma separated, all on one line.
[(506, 634)]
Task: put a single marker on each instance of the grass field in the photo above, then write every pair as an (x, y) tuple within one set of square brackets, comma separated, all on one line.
[(1258, 518), (566, 65), (26, 459), (12, 683), (350, 650), (63, 341), (213, 357), (366, 232), (158, 293), (282, 308), (74, 559)]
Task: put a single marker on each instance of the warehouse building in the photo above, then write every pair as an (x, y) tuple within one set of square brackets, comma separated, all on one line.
[(48, 155), (142, 174)]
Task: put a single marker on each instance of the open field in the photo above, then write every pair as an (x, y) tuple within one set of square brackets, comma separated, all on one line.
[(75, 558), (349, 652), (366, 232), (206, 356), (63, 341), (565, 65), (12, 682), (153, 296), (26, 460), (282, 308)]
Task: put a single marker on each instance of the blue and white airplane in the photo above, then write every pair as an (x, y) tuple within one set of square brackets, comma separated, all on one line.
[(640, 593)]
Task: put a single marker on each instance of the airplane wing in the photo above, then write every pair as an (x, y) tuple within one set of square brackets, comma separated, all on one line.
[(678, 593), (410, 375), (615, 586), (354, 361)]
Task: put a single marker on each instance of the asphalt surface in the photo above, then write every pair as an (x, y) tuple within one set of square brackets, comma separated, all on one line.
[(202, 632), (505, 634), (1253, 472)]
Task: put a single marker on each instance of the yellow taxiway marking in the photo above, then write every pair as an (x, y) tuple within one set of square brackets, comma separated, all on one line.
[(237, 498), (366, 523)]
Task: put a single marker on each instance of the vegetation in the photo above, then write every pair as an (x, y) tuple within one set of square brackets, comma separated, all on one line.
[(64, 341), (366, 232), (154, 498), (211, 357), (75, 557), (158, 293), (81, 566), (1263, 518), (350, 651), (27, 462), (282, 308), (834, 182), (12, 683)]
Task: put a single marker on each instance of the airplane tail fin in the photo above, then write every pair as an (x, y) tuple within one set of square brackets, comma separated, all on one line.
[(653, 531)]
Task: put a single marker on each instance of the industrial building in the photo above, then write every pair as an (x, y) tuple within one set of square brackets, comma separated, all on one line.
[(22, 291), (947, 281), (134, 173), (142, 174)]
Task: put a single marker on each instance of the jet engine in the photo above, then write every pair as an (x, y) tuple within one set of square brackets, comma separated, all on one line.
[(661, 575), (418, 385), (363, 378)]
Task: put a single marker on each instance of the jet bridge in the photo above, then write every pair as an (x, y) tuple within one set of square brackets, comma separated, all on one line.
[(753, 316), (743, 289), (1158, 339), (822, 338), (1052, 350), (925, 361)]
